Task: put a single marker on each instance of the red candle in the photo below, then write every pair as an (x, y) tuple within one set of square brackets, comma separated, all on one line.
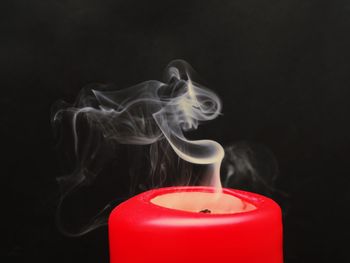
[(196, 224)]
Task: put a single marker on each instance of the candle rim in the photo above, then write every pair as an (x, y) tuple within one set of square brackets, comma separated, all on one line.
[(262, 204)]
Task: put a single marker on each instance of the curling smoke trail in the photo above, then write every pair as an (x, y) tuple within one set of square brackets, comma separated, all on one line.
[(146, 114)]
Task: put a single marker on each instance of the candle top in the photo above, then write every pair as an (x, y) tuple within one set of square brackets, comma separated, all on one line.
[(195, 206), (203, 202)]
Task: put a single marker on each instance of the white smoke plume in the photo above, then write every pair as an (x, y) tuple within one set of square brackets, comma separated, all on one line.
[(152, 114)]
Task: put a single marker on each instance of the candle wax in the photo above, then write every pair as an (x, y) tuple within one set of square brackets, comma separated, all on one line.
[(216, 203), (196, 224)]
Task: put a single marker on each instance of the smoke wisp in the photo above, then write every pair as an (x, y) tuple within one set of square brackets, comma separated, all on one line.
[(154, 115)]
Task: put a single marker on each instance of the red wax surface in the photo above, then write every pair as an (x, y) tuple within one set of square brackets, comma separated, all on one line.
[(246, 228)]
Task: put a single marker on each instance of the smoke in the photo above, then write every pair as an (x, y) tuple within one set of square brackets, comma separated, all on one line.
[(153, 115), (250, 167)]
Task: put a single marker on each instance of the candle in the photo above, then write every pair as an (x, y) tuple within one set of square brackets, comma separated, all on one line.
[(196, 224)]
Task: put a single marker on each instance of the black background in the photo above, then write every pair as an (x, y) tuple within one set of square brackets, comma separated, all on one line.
[(280, 67)]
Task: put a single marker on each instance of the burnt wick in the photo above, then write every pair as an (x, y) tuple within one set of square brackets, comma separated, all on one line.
[(205, 211)]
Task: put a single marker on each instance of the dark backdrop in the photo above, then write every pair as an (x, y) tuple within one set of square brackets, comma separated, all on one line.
[(280, 67)]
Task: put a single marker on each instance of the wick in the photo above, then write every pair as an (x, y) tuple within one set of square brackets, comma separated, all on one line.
[(205, 211)]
